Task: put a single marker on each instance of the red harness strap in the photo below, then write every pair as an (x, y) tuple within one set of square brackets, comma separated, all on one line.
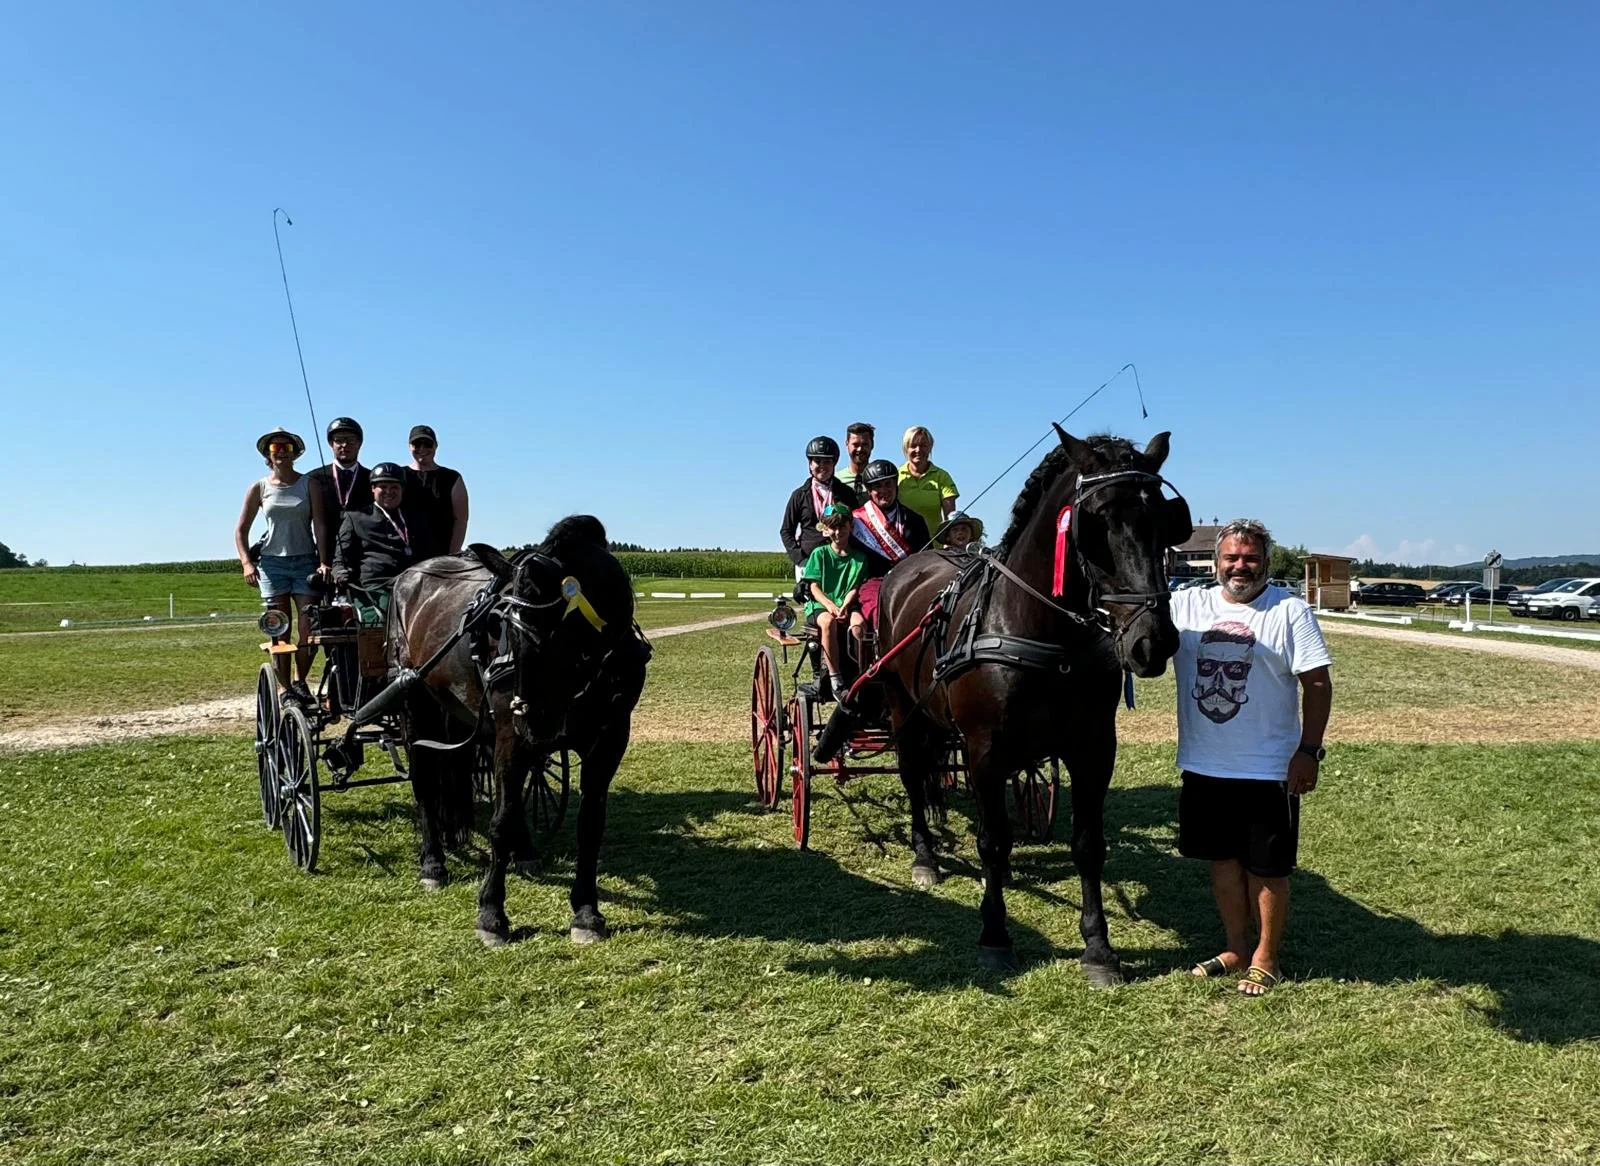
[(1058, 586), (911, 637)]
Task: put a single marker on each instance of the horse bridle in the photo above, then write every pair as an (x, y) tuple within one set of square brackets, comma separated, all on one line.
[(1149, 600)]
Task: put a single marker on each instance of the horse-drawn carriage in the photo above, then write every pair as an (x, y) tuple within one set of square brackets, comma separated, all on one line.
[(787, 729), (294, 748)]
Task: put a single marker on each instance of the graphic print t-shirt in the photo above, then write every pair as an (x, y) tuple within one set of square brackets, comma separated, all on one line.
[(1238, 696)]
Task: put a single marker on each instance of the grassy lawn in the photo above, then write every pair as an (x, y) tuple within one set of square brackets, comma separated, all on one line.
[(171, 989)]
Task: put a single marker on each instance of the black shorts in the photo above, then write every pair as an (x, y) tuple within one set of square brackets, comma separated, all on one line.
[(1255, 822)]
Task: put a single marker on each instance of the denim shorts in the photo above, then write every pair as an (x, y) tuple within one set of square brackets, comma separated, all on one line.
[(286, 575)]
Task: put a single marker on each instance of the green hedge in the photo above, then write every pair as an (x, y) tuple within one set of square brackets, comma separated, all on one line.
[(673, 564)]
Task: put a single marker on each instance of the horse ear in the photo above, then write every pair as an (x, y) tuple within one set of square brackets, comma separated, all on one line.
[(1156, 451), (1074, 447), (494, 560)]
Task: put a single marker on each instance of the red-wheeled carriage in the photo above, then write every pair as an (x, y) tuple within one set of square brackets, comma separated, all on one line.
[(784, 732)]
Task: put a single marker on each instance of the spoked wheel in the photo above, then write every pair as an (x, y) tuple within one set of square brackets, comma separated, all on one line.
[(953, 769), (267, 743), (299, 798), (545, 800), (766, 727), (800, 796), (1034, 791), (483, 771)]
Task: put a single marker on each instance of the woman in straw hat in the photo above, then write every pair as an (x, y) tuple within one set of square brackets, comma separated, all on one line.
[(288, 553)]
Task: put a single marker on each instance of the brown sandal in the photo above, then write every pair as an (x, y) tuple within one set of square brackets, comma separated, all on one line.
[(1263, 980)]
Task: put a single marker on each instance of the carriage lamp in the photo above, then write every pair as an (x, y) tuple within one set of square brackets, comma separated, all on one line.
[(274, 623), (782, 616)]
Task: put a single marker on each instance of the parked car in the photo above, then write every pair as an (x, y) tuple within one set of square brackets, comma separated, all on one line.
[(1479, 594), (1518, 603), (1438, 591), (1390, 594), (1570, 601), (1594, 609)]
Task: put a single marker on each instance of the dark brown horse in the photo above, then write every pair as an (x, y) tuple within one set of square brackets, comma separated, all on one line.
[(567, 668), (1041, 676)]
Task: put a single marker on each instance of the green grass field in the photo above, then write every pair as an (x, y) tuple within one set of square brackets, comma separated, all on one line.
[(172, 990)]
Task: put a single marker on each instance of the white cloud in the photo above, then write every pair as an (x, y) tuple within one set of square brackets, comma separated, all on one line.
[(1417, 551)]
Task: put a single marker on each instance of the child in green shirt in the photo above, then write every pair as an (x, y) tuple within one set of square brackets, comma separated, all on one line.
[(835, 572)]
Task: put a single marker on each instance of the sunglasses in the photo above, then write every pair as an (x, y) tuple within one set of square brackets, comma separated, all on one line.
[(280, 447)]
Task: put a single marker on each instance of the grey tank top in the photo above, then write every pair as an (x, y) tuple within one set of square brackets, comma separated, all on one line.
[(287, 510)]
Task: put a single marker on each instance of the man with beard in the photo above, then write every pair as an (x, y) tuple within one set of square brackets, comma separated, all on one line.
[(1253, 701), (886, 531), (345, 483), (858, 441), (821, 489)]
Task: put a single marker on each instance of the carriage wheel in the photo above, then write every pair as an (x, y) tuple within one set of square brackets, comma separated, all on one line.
[(953, 769), (483, 771), (766, 727), (267, 744), (800, 795), (1034, 791), (545, 800), (299, 798)]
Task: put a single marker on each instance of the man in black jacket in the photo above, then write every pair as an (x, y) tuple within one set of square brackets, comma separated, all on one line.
[(375, 542), (345, 483), (886, 531), (799, 530)]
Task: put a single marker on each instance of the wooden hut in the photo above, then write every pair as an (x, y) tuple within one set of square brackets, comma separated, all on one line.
[(1328, 581)]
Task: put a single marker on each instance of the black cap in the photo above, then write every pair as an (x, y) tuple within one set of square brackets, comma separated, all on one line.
[(345, 425), (423, 431), (387, 472), (879, 470), (822, 447)]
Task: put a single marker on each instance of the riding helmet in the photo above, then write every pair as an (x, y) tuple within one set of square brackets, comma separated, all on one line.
[(345, 425), (280, 434), (880, 470), (822, 447), (387, 472)]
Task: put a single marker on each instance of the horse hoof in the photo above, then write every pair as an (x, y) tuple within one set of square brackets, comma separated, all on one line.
[(434, 882), (997, 959), (494, 938), (1102, 975), (583, 936), (924, 877)]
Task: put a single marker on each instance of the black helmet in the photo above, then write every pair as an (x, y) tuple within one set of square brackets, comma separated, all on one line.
[(880, 470), (822, 447), (345, 425), (387, 472)]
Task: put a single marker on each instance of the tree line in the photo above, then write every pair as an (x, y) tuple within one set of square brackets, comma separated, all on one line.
[(1521, 576)]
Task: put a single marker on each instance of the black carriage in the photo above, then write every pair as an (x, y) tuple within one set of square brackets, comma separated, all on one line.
[(784, 731), (296, 755)]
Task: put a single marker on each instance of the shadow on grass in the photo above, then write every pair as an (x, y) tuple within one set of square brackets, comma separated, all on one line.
[(1547, 985)]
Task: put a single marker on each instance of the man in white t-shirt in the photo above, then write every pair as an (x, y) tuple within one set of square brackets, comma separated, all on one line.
[(1253, 701)]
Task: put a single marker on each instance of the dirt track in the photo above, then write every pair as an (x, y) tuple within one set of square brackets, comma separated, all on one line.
[(217, 716)]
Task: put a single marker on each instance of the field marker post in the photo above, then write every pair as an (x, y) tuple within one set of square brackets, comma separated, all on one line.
[(171, 610)]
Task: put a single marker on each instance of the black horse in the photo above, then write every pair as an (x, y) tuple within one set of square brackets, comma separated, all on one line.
[(1024, 675), (565, 666)]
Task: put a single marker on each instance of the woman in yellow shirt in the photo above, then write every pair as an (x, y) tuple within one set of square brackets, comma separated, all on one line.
[(924, 486)]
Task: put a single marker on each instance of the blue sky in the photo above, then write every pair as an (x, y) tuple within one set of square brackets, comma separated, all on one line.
[(628, 258)]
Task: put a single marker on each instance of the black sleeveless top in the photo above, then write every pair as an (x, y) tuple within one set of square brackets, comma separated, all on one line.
[(427, 503)]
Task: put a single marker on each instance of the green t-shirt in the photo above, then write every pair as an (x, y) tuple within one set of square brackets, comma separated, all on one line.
[(837, 574), (926, 494)]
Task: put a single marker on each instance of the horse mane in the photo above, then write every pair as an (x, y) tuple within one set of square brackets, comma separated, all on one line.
[(1108, 450), (575, 532)]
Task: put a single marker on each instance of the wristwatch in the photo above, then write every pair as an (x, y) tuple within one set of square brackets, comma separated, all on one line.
[(1315, 752)]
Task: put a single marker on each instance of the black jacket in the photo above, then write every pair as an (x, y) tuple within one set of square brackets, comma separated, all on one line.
[(799, 530), (371, 551), (913, 527)]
